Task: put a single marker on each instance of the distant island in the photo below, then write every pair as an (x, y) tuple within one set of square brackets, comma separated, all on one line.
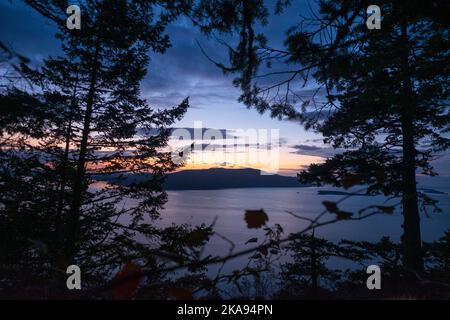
[(211, 179), (220, 178), (343, 193), (340, 193)]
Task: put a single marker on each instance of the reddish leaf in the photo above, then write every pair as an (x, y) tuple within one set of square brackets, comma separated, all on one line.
[(255, 218), (126, 283)]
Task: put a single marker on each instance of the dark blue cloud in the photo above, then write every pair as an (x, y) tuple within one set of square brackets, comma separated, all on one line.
[(309, 150), (182, 71), (27, 32)]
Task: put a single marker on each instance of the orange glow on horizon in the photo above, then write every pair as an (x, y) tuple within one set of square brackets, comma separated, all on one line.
[(289, 164)]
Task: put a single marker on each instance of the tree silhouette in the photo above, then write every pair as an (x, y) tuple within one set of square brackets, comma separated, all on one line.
[(309, 273), (308, 268), (437, 258), (85, 118), (381, 94)]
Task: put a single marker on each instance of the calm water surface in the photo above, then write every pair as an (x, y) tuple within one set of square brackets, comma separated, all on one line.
[(228, 207)]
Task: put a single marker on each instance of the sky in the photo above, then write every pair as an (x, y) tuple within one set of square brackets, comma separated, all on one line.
[(183, 71)]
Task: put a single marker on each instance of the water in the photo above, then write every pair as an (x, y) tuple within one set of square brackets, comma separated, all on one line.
[(228, 207)]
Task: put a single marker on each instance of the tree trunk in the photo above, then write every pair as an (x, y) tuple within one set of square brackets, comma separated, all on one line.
[(78, 187), (411, 240), (64, 167), (412, 243), (59, 225)]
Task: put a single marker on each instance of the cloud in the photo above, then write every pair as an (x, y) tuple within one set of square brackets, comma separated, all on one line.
[(235, 146), (316, 151), (314, 140), (180, 72), (218, 133), (184, 71), (27, 32)]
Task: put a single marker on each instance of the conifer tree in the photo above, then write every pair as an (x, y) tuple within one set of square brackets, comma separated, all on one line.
[(382, 94), (83, 118)]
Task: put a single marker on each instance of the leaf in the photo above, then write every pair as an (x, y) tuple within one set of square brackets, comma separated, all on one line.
[(255, 218), (252, 240), (330, 206), (386, 209), (333, 208), (343, 215), (180, 293), (126, 289)]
